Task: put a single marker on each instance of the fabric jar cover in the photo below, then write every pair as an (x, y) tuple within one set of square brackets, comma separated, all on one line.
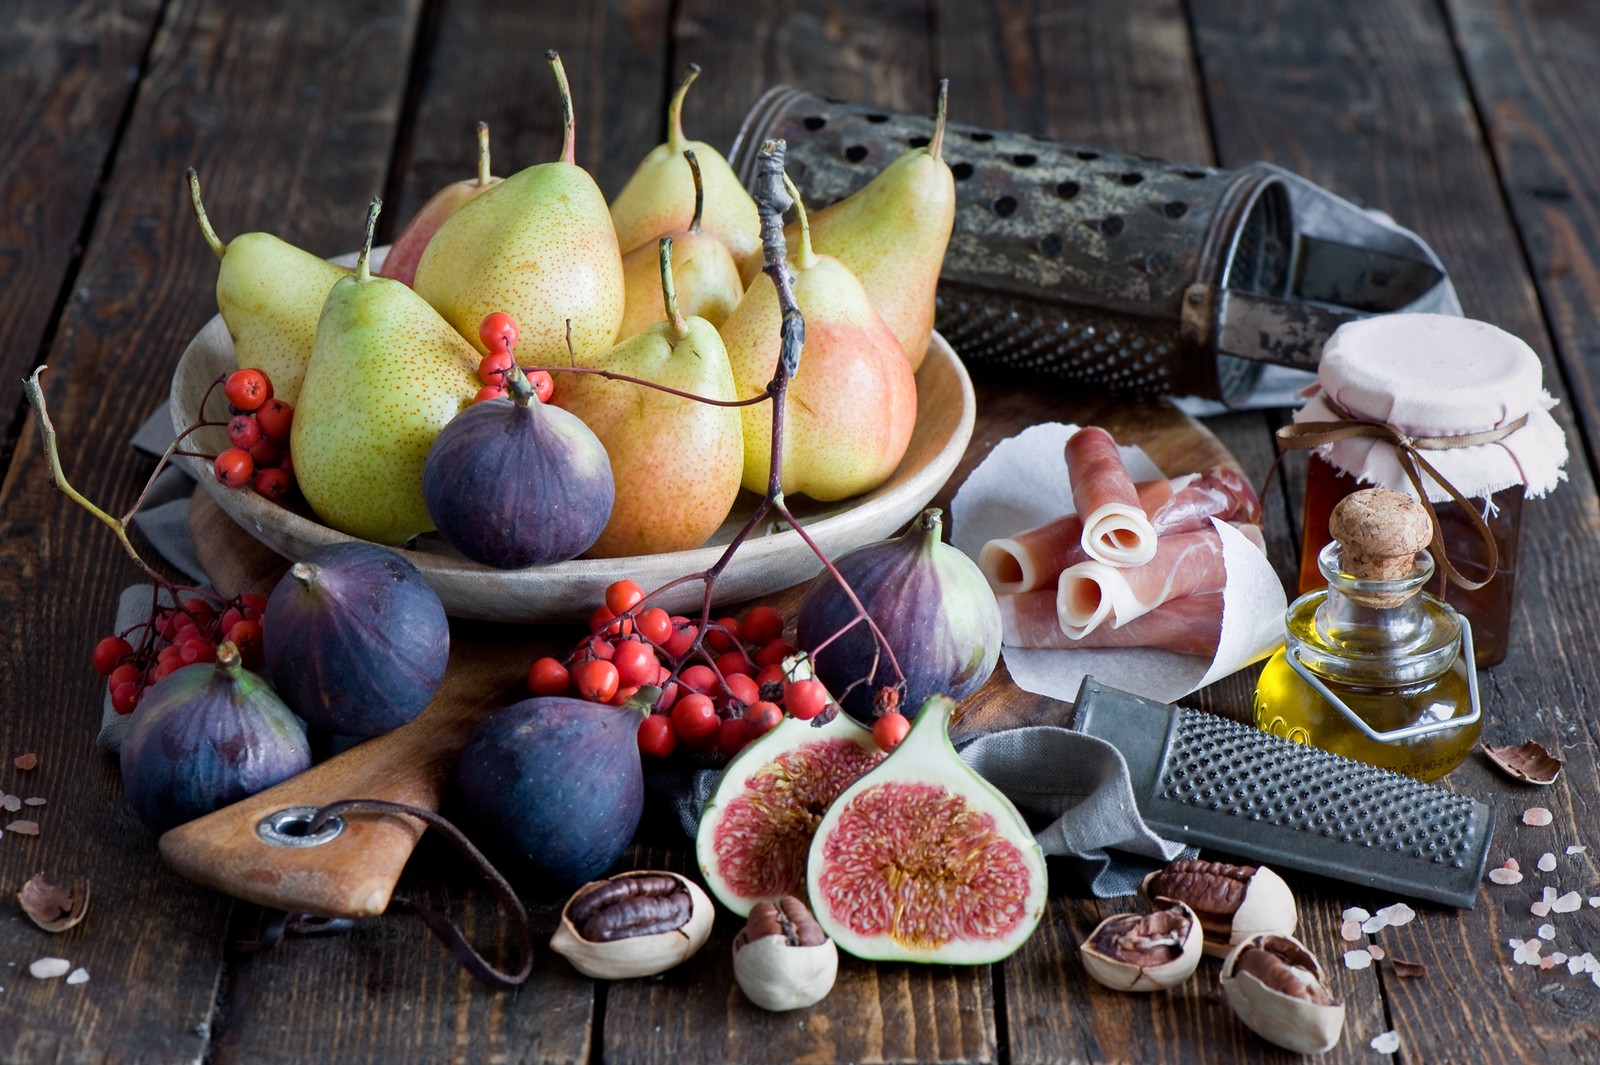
[(1437, 375)]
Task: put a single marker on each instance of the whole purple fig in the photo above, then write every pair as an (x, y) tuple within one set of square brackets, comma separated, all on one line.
[(205, 736), (933, 606), (356, 641), (514, 483), (557, 781)]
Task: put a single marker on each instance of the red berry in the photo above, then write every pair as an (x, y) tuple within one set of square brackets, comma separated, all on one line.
[(243, 431), (268, 452), (123, 674), (246, 636), (683, 634), (699, 679), (596, 680), (623, 695), (772, 674), (762, 717), (547, 676), (654, 625), (657, 737), (669, 692), (493, 366), (198, 649), (109, 652), (732, 735), (774, 651), (742, 687), (166, 668), (247, 389), (488, 393), (636, 663), (805, 699), (735, 662), (234, 467), (499, 332), (623, 595), (544, 386), (723, 635), (890, 729), (125, 696), (695, 720), (762, 625), (595, 647), (275, 417), (272, 483)]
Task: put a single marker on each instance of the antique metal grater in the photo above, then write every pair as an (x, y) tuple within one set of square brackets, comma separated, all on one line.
[(1217, 783), (1120, 271)]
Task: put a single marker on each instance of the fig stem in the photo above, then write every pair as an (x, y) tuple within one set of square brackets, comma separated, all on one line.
[(484, 173)]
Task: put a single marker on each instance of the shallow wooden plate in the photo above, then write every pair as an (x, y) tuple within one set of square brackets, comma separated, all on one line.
[(568, 590)]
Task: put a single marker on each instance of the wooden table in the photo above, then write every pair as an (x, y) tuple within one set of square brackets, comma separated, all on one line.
[(1472, 121)]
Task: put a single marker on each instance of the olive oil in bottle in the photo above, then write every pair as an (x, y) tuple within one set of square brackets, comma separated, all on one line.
[(1372, 666)]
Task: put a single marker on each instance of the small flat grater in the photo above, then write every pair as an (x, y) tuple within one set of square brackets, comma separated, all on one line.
[(1211, 782)]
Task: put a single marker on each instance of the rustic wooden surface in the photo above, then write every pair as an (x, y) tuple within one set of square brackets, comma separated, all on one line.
[(1472, 121)]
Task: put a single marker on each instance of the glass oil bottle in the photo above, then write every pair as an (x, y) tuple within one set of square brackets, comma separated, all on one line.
[(1373, 667)]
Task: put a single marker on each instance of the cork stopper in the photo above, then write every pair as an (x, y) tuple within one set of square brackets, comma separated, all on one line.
[(1380, 532)]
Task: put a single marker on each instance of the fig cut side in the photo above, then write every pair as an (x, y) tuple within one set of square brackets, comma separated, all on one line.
[(923, 860)]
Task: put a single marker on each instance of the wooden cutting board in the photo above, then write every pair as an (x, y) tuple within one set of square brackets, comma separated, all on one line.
[(353, 874)]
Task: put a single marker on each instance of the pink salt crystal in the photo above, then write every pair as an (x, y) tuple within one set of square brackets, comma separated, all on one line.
[(1499, 876), (1547, 862), (1540, 909), (1377, 952), (1537, 816), (1350, 931), (1511, 863), (1547, 963), (1357, 959), (1567, 903)]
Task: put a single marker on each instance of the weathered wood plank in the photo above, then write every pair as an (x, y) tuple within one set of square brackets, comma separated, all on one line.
[(1370, 102), (289, 111)]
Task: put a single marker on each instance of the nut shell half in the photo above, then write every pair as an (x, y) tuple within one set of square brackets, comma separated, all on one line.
[(1295, 1010), (644, 955), (778, 976), (1144, 952), (1267, 906)]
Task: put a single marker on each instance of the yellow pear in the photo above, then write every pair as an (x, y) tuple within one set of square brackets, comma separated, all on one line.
[(676, 462), (539, 246), (892, 233), (657, 197), (704, 273), (852, 403), (406, 251), (386, 375), (270, 294)]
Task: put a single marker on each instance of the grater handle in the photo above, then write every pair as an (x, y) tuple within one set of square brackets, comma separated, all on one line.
[(1220, 784)]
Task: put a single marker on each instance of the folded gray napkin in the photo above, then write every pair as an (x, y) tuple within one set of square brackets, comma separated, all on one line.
[(1072, 788)]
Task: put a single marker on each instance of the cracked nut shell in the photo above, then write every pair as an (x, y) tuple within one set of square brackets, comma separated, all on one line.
[(782, 959), (1233, 902), (1275, 986), (1144, 951), (633, 924)]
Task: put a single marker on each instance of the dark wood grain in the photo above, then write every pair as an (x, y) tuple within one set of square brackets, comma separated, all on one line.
[(259, 97)]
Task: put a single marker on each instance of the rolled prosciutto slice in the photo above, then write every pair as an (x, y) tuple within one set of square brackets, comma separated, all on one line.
[(1092, 594), (1189, 626), (1116, 530), (1035, 557)]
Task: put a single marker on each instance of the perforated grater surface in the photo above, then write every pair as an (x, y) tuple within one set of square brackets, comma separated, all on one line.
[(1119, 271), (1216, 783)]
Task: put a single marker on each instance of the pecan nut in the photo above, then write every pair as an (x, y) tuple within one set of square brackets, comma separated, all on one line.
[(1144, 952), (782, 959), (1232, 902), (634, 924), (1275, 986)]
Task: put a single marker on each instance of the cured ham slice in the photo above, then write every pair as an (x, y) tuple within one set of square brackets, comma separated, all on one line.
[(1034, 558), (1189, 626), (1116, 529), (1091, 594)]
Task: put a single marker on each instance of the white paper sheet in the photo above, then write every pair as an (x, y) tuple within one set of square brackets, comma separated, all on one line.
[(1023, 483)]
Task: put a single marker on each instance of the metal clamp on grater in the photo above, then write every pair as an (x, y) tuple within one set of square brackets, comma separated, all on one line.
[(1217, 783), (1120, 271)]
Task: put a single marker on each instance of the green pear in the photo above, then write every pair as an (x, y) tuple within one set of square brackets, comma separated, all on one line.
[(892, 233), (406, 251), (704, 273), (656, 198), (851, 405), (539, 246), (386, 375), (270, 294), (676, 462)]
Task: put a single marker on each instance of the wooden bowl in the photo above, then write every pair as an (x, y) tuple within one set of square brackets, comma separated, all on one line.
[(567, 591)]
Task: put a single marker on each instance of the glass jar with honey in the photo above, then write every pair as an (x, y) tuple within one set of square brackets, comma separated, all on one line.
[(1444, 408)]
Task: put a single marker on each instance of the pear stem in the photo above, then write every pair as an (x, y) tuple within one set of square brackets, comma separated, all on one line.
[(699, 191), (669, 292), (483, 153), (675, 107), (363, 267), (936, 145), (193, 177), (807, 258), (569, 121)]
